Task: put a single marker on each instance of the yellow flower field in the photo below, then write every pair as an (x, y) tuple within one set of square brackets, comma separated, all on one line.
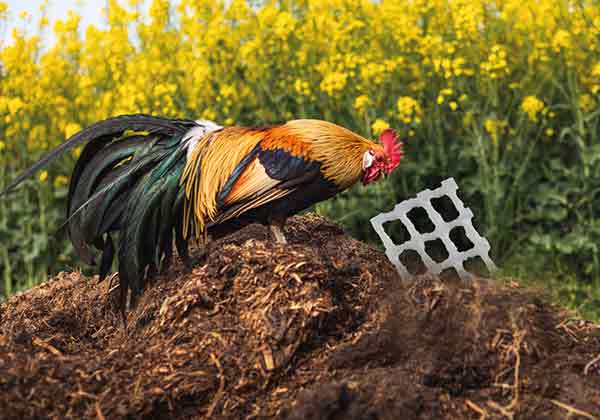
[(239, 63), (486, 91)]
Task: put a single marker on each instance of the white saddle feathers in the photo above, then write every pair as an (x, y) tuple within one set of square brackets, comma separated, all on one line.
[(196, 133)]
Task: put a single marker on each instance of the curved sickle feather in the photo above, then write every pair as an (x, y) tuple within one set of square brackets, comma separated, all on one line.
[(112, 126)]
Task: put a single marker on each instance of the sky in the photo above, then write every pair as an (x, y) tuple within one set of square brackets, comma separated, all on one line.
[(89, 10)]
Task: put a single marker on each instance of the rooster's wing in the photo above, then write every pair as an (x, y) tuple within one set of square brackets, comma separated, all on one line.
[(266, 176)]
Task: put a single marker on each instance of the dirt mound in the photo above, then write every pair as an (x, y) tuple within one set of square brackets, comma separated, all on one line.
[(320, 329)]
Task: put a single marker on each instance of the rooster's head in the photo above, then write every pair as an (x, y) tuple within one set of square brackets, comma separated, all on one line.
[(381, 159)]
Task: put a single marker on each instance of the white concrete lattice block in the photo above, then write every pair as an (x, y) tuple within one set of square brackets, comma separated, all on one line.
[(442, 230)]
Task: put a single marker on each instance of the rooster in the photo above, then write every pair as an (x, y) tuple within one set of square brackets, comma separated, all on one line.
[(158, 182)]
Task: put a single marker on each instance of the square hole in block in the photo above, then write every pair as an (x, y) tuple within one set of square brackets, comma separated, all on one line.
[(419, 217), (396, 231), (476, 265), (436, 250), (445, 207), (450, 275), (460, 239), (413, 262)]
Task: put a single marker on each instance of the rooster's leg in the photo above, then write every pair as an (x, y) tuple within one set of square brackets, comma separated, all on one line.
[(205, 246), (276, 227), (182, 248)]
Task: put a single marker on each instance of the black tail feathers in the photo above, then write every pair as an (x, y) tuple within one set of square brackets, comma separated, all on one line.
[(125, 182)]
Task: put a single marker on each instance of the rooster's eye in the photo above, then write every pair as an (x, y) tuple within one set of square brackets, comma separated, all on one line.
[(367, 160)]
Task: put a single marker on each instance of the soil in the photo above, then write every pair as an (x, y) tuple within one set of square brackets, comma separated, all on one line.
[(322, 328)]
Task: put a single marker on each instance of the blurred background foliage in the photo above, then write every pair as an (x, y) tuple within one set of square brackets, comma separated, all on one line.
[(502, 95)]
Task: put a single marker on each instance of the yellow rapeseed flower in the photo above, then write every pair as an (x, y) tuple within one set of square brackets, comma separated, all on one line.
[(532, 106), (596, 69), (494, 128), (72, 128), (458, 66), (490, 125), (496, 65), (333, 83), (14, 105), (379, 125), (374, 73), (43, 176), (409, 109), (302, 87), (562, 39), (587, 102), (361, 103), (2, 145), (60, 181)]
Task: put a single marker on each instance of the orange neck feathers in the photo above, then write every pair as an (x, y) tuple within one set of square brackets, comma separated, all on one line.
[(339, 150)]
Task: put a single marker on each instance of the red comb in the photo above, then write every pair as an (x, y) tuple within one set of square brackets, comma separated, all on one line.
[(393, 147)]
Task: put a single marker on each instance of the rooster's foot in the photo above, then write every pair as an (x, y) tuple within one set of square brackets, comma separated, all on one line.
[(277, 234)]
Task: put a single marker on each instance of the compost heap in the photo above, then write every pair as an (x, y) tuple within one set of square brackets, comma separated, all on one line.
[(321, 328)]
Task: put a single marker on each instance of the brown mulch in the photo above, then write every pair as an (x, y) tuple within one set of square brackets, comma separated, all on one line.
[(320, 329)]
